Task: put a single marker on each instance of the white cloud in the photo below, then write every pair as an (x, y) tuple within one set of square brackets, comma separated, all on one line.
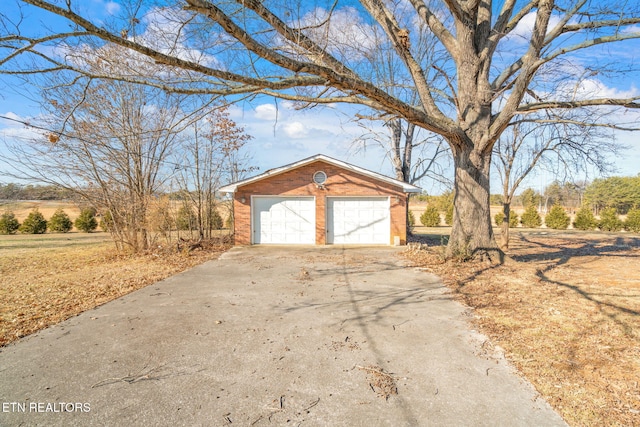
[(112, 7), (165, 32), (601, 90), (11, 116), (266, 112), (522, 32), (13, 127), (590, 88), (345, 34), (299, 134), (295, 130), (288, 105)]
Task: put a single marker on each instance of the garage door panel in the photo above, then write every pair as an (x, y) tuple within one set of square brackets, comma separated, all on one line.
[(283, 220), (358, 220)]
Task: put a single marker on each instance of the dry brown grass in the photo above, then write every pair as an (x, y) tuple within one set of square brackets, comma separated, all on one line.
[(47, 208), (48, 278), (566, 310)]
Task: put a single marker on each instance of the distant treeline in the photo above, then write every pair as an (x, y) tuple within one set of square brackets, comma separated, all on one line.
[(13, 191), (619, 192)]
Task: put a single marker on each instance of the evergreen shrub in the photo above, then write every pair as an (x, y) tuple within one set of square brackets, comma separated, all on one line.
[(106, 222), (34, 223), (186, 219), (557, 218), (430, 217), (585, 220), (60, 222), (216, 220), (633, 220), (87, 221), (9, 224), (531, 218), (411, 220), (609, 220), (448, 216), (513, 219)]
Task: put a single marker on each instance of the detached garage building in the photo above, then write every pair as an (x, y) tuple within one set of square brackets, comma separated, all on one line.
[(320, 200)]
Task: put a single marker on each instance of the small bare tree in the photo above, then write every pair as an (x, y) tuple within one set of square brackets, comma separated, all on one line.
[(110, 142), (215, 154), (562, 145), (413, 155)]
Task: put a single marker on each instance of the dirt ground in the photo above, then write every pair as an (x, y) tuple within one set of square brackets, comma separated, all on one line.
[(565, 308)]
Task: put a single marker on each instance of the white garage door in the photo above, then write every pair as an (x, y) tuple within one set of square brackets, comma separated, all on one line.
[(358, 220), (284, 220)]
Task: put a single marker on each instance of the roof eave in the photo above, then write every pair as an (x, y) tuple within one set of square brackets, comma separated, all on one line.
[(406, 188)]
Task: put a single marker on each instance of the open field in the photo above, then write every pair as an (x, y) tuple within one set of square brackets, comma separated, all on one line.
[(565, 308), (47, 278), (47, 208)]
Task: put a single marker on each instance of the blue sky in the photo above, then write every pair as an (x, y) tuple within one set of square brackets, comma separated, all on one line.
[(283, 134)]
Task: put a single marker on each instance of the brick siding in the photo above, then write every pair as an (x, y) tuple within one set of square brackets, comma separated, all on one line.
[(298, 182)]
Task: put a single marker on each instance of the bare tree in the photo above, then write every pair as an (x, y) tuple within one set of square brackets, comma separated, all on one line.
[(562, 145), (413, 156), (111, 143), (413, 153), (215, 154), (230, 141), (494, 56), (199, 177)]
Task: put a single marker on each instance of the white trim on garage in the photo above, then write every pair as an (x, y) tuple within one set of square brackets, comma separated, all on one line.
[(358, 220), (283, 220), (407, 188)]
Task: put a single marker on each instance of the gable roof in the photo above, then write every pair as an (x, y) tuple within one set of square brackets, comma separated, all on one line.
[(407, 188)]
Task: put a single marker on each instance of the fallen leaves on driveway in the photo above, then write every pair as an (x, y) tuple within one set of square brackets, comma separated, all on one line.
[(382, 383)]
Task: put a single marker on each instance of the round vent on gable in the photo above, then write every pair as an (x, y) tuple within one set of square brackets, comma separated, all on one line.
[(319, 178)]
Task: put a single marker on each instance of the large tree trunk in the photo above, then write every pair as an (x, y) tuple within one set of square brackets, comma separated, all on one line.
[(472, 235)]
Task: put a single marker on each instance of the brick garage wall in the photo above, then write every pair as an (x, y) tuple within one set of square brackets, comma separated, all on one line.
[(298, 182)]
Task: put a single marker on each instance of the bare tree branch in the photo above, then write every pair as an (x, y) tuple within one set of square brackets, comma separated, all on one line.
[(550, 121), (587, 44), (386, 20), (536, 106), (429, 18), (529, 67)]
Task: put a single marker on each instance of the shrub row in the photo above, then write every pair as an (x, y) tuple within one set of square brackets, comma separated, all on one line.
[(35, 223), (558, 219), (431, 216)]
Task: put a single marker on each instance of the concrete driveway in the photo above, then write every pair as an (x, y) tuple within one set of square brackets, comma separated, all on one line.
[(313, 336)]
